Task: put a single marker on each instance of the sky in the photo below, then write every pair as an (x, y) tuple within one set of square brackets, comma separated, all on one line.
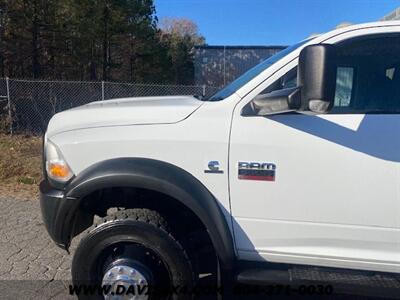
[(271, 22)]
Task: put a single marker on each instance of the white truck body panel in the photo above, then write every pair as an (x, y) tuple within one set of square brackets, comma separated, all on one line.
[(335, 195), (122, 112), (190, 145)]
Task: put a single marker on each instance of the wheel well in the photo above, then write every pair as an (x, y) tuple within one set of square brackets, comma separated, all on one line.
[(186, 226)]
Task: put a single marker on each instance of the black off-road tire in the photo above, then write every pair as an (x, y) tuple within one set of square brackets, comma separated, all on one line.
[(141, 226)]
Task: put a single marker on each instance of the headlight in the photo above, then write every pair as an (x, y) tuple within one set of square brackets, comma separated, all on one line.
[(56, 166)]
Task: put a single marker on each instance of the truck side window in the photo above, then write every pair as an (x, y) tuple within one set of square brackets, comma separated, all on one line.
[(289, 80), (369, 83), (368, 76), (344, 86)]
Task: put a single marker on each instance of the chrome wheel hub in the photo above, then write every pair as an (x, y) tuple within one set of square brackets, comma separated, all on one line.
[(125, 283)]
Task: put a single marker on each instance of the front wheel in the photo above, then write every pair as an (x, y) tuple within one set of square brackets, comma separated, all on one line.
[(132, 253)]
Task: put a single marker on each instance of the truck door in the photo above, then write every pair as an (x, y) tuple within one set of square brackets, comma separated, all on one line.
[(324, 189)]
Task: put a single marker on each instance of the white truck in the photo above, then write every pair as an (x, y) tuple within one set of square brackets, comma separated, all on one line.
[(291, 173)]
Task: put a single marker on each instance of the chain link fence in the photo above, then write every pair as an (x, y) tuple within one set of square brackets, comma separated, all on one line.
[(26, 106)]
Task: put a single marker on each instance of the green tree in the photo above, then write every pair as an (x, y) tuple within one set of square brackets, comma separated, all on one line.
[(181, 35), (94, 40)]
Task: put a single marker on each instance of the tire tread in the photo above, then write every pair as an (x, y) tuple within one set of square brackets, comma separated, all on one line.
[(147, 216)]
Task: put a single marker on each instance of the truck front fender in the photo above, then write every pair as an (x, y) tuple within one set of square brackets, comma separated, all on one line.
[(164, 178)]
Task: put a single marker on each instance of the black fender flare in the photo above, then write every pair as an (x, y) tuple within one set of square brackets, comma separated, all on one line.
[(164, 178)]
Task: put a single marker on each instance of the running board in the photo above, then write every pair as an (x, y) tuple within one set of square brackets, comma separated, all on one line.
[(343, 281)]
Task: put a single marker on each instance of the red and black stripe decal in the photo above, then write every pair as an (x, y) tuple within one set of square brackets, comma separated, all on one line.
[(252, 174)]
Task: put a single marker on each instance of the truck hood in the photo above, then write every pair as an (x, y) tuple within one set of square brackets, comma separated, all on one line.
[(126, 111)]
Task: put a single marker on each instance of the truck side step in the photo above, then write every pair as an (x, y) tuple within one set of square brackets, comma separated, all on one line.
[(343, 281)]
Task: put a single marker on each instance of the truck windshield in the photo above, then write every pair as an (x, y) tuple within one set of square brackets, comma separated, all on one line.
[(252, 73)]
